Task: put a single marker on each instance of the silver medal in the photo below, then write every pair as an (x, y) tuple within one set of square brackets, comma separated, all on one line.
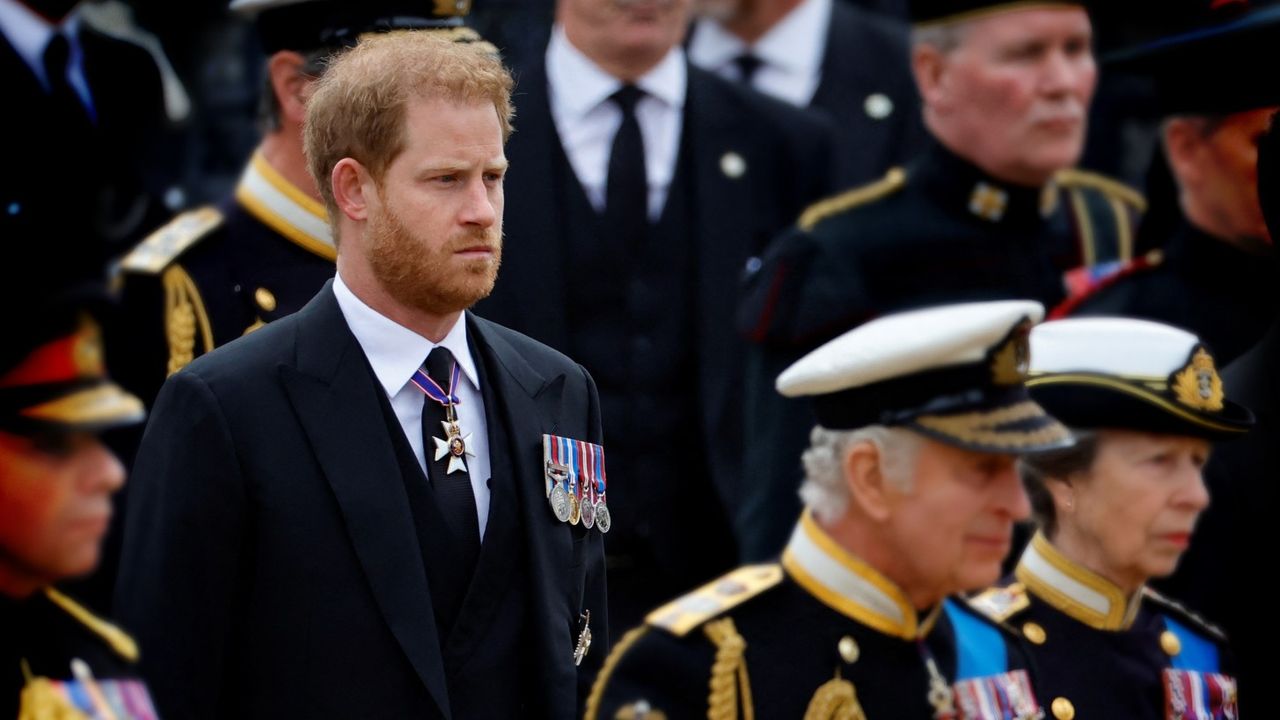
[(603, 521), (559, 500)]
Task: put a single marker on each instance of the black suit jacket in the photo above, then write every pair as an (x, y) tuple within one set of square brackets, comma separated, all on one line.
[(82, 196), (271, 565), (786, 156), (868, 54)]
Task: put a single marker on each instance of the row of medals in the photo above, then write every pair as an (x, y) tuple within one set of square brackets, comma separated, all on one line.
[(568, 508)]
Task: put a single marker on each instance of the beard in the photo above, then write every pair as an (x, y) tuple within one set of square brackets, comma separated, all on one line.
[(426, 278)]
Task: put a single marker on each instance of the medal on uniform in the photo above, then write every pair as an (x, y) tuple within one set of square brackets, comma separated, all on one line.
[(575, 484), (603, 520), (587, 503), (557, 475), (454, 444), (581, 647)]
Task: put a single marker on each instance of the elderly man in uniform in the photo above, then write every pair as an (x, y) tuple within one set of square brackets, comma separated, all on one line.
[(214, 274), (911, 494), (988, 211), (1217, 260), (56, 480)]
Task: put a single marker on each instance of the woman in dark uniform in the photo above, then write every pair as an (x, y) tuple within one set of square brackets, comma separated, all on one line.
[(1115, 511)]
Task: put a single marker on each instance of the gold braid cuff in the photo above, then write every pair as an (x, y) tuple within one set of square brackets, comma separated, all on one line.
[(836, 699)]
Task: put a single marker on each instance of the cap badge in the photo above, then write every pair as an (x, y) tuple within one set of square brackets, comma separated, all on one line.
[(988, 202), (87, 351), (1012, 359), (1197, 385)]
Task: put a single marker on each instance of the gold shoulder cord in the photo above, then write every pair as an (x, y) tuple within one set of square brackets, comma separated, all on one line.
[(606, 671), (728, 673), (184, 316), (823, 209)]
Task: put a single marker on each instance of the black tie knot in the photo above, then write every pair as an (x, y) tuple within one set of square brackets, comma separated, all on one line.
[(747, 64), (439, 366), (627, 97)]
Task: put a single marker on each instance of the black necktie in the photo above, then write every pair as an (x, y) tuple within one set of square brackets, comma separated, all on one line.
[(68, 108), (747, 65), (627, 189), (453, 493)]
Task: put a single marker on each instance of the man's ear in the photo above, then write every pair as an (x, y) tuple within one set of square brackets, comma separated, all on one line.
[(868, 487), (352, 188), (290, 84), (1183, 146), (928, 64)]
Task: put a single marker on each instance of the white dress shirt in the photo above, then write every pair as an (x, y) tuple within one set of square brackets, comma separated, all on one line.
[(395, 353), (790, 52), (29, 34), (587, 120)]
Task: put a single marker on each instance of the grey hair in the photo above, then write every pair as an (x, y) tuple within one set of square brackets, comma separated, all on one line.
[(944, 37), (825, 491), (314, 63)]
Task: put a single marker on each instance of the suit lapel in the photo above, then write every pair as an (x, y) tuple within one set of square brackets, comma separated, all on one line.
[(528, 405), (334, 394)]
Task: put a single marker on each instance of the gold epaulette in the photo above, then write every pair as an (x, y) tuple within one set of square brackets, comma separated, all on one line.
[(164, 246), (1185, 614), (117, 639), (683, 614), (1001, 603), (894, 180), (1077, 178)]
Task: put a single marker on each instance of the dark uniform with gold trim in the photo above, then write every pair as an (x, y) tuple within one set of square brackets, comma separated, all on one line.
[(783, 641), (61, 661), (1100, 654), (216, 273), (940, 230)]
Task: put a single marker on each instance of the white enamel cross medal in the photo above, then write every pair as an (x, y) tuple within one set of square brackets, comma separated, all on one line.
[(454, 445)]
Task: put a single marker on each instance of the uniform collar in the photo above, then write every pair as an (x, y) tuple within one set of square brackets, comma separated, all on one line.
[(395, 352), (1074, 590), (968, 190), (579, 86), (284, 207), (849, 586)]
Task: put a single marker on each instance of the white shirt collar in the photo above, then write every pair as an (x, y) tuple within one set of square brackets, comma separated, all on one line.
[(394, 351), (29, 33), (795, 45), (568, 68)]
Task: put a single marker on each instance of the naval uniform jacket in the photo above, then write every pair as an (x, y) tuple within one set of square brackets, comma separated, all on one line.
[(276, 562), (216, 273), (776, 640), (41, 636), (938, 231), (1197, 282), (1101, 654)]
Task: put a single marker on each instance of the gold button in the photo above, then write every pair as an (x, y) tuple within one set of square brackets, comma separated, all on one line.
[(1063, 709), (1034, 633), (265, 299), (1170, 643), (848, 648)]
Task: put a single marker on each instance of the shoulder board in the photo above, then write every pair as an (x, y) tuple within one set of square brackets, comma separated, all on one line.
[(683, 614), (893, 181), (117, 639), (164, 245), (1077, 178), (1182, 613), (1001, 603)]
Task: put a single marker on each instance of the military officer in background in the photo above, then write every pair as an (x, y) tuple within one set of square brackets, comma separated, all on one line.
[(991, 209), (216, 273), (837, 57), (911, 494), (1217, 262), (56, 477)]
